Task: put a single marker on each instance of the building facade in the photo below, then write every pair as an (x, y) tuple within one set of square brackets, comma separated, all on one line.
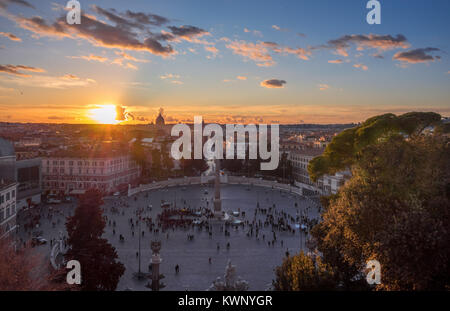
[(8, 208), (26, 172), (74, 175), (325, 185)]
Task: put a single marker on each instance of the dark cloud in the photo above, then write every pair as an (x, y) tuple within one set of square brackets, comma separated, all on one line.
[(98, 33), (417, 55), (171, 119), (147, 19), (10, 36), (16, 70), (273, 83), (143, 119), (122, 114), (57, 118), (126, 31), (115, 18), (380, 42), (5, 3), (187, 32)]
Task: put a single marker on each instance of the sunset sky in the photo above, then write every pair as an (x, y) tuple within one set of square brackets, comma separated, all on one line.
[(228, 61)]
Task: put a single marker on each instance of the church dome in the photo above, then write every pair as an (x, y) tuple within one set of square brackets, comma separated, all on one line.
[(160, 120), (6, 148)]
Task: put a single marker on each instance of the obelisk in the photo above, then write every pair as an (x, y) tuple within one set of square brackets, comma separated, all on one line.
[(217, 199)]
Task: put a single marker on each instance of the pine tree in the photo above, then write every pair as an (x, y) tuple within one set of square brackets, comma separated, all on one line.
[(100, 270)]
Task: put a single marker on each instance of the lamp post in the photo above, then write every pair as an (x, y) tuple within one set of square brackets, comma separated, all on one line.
[(139, 275), (155, 284)]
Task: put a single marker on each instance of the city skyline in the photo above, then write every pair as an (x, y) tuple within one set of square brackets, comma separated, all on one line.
[(288, 62)]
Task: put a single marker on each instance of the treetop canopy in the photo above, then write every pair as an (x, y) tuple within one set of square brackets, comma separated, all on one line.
[(343, 150)]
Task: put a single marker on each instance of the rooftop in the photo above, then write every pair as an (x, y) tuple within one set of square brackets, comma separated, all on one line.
[(4, 184), (310, 152), (99, 153)]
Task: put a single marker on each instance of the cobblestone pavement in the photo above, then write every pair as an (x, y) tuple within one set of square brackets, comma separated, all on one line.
[(255, 260)]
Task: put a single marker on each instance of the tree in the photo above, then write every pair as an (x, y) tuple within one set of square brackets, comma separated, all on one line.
[(166, 158), (284, 169), (100, 270), (304, 273), (24, 270), (345, 149), (156, 162), (139, 156), (394, 209)]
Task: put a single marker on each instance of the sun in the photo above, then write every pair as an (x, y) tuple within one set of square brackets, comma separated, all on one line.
[(104, 114)]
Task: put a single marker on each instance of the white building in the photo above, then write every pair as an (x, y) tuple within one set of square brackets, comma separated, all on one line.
[(26, 172), (325, 185), (8, 210), (74, 174)]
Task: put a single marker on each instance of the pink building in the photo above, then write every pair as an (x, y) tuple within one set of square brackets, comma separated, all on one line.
[(76, 172)]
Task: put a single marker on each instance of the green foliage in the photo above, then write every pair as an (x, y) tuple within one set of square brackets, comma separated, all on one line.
[(166, 159), (304, 273), (395, 209), (345, 148), (100, 270), (139, 156)]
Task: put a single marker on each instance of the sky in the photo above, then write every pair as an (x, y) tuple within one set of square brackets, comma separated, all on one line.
[(230, 61)]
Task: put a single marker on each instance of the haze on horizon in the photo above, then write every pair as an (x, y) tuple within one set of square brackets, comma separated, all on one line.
[(228, 61)]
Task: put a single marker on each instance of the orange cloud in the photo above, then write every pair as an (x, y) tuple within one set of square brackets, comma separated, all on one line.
[(361, 66), (10, 36), (323, 87), (91, 57), (417, 56), (273, 84), (257, 52), (16, 70)]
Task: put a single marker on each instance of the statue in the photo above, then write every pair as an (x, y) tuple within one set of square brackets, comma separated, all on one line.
[(231, 282)]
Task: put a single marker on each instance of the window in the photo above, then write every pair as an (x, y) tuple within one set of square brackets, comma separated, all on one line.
[(8, 196), (2, 199), (13, 194)]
